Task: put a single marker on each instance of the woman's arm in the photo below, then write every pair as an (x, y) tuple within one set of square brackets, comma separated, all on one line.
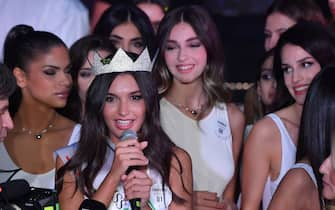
[(181, 180), (237, 124), (260, 145), (69, 198)]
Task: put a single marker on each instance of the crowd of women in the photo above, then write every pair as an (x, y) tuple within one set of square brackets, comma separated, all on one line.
[(160, 79)]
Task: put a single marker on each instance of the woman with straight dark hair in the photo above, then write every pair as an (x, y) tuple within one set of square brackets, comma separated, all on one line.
[(123, 98), (40, 63), (302, 51), (258, 100), (301, 188), (283, 14), (128, 27), (81, 57)]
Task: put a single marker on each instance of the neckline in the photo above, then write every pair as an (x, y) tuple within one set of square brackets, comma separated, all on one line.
[(186, 116), (11, 163)]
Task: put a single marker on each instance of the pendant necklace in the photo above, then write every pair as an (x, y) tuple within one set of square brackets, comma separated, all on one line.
[(193, 112), (38, 135)]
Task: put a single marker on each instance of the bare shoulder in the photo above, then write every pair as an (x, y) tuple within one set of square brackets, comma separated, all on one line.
[(236, 116), (66, 123), (62, 131), (264, 130)]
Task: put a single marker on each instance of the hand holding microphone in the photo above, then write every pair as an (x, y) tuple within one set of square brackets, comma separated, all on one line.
[(129, 158), (128, 152)]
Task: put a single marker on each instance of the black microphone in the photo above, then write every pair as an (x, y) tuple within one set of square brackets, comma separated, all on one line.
[(14, 190), (129, 134), (89, 204)]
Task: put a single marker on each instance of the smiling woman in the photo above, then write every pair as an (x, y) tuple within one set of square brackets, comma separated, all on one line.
[(40, 63), (124, 98), (300, 54), (195, 108)]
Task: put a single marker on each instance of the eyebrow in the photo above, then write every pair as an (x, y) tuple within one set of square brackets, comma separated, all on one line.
[(304, 59), (136, 39), (115, 36), (55, 67), (131, 93), (187, 40), (266, 70), (85, 69)]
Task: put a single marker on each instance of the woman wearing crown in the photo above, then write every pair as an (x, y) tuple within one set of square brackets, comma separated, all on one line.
[(123, 97)]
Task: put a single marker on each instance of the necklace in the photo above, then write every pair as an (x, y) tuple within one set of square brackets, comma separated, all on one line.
[(38, 135), (193, 112)]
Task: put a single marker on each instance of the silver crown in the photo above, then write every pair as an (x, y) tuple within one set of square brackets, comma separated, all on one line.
[(121, 62)]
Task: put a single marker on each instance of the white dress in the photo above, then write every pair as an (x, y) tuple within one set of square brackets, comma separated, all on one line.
[(288, 149), (208, 142)]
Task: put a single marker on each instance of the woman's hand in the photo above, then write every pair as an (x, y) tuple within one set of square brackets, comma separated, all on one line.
[(128, 153), (204, 200), (137, 184), (229, 204)]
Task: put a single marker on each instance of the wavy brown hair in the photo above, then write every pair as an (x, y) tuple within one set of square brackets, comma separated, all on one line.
[(206, 30)]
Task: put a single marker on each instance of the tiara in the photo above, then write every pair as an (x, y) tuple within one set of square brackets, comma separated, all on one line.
[(121, 62)]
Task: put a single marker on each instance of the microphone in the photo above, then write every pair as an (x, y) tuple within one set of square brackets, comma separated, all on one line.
[(14, 190), (128, 134), (89, 204), (135, 203)]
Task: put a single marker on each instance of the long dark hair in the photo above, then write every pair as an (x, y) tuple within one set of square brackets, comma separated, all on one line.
[(318, 122), (92, 145), (297, 10), (122, 13), (254, 108), (207, 32), (315, 39), (22, 45), (78, 56)]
